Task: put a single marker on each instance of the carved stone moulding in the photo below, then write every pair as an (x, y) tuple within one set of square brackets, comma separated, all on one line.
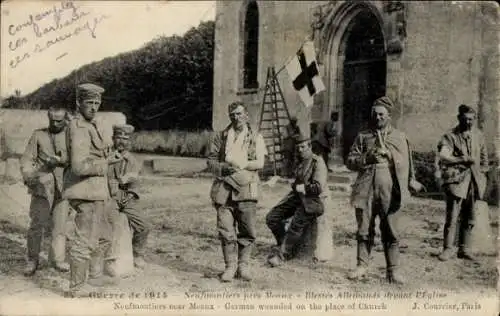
[(395, 25), (319, 23), (393, 14)]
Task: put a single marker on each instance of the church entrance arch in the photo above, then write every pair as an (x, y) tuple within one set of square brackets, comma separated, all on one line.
[(357, 70)]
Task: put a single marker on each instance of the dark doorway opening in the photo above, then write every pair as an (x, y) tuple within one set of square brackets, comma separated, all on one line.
[(365, 70)]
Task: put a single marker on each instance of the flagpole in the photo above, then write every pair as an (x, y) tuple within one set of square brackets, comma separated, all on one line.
[(308, 38)]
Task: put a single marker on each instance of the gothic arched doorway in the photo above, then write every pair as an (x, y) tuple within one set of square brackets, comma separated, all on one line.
[(357, 68), (364, 73)]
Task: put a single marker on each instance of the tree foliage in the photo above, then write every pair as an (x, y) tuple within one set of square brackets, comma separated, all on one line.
[(166, 84)]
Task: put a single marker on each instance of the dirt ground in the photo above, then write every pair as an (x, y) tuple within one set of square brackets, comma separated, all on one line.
[(184, 251)]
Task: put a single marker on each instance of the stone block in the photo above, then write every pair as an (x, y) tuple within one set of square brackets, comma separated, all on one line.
[(483, 238), (317, 240), (13, 170), (122, 246)]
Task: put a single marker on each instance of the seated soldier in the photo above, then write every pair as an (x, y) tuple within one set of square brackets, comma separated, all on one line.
[(122, 182), (303, 204)]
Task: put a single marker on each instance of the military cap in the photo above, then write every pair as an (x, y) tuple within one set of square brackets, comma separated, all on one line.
[(301, 138), (463, 109), (385, 102), (123, 130), (233, 106), (86, 91)]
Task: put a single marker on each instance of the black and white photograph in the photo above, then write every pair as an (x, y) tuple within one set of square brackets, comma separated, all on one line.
[(253, 157)]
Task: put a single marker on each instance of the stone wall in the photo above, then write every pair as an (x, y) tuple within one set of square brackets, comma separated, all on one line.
[(16, 127), (442, 68), (450, 56)]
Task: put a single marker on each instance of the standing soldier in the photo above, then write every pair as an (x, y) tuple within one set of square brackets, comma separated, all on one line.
[(291, 133), (42, 167), (464, 158), (324, 137), (236, 155), (122, 182), (305, 203), (86, 188), (382, 158)]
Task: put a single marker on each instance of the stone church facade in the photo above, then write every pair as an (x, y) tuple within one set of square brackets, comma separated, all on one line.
[(429, 57)]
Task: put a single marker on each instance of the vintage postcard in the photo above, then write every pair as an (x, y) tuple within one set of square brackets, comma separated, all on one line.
[(249, 157)]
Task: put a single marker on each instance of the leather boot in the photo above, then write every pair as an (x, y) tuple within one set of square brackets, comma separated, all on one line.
[(78, 286), (110, 267), (30, 268), (244, 253), (96, 275), (96, 265), (230, 252), (363, 255), (391, 252), (446, 254), (464, 248)]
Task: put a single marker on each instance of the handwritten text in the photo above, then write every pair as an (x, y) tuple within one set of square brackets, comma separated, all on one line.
[(48, 28)]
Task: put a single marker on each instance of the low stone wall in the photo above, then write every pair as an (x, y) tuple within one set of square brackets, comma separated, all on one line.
[(16, 127)]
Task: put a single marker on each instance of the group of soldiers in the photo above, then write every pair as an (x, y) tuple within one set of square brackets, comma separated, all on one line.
[(69, 166), (381, 156)]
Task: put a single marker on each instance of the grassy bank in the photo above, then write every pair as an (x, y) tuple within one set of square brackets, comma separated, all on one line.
[(172, 143)]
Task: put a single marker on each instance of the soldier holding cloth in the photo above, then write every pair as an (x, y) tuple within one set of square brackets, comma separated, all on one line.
[(236, 155)]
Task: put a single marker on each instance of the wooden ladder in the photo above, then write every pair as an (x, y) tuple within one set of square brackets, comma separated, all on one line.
[(274, 117)]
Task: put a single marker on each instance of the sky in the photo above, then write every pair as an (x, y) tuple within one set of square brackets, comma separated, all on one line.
[(45, 40)]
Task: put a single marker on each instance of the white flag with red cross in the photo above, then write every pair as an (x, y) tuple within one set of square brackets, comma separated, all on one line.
[(304, 73)]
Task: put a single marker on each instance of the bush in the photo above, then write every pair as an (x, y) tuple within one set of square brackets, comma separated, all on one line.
[(424, 170), (172, 143)]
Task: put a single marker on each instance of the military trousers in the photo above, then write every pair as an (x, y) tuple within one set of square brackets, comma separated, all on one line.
[(459, 212), (380, 203), (39, 227), (139, 225), (236, 222), (290, 207), (93, 230)]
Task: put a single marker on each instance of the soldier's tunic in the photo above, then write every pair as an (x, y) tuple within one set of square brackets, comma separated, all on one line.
[(463, 185), (126, 198), (381, 188), (235, 195), (304, 209), (45, 184), (86, 188)]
